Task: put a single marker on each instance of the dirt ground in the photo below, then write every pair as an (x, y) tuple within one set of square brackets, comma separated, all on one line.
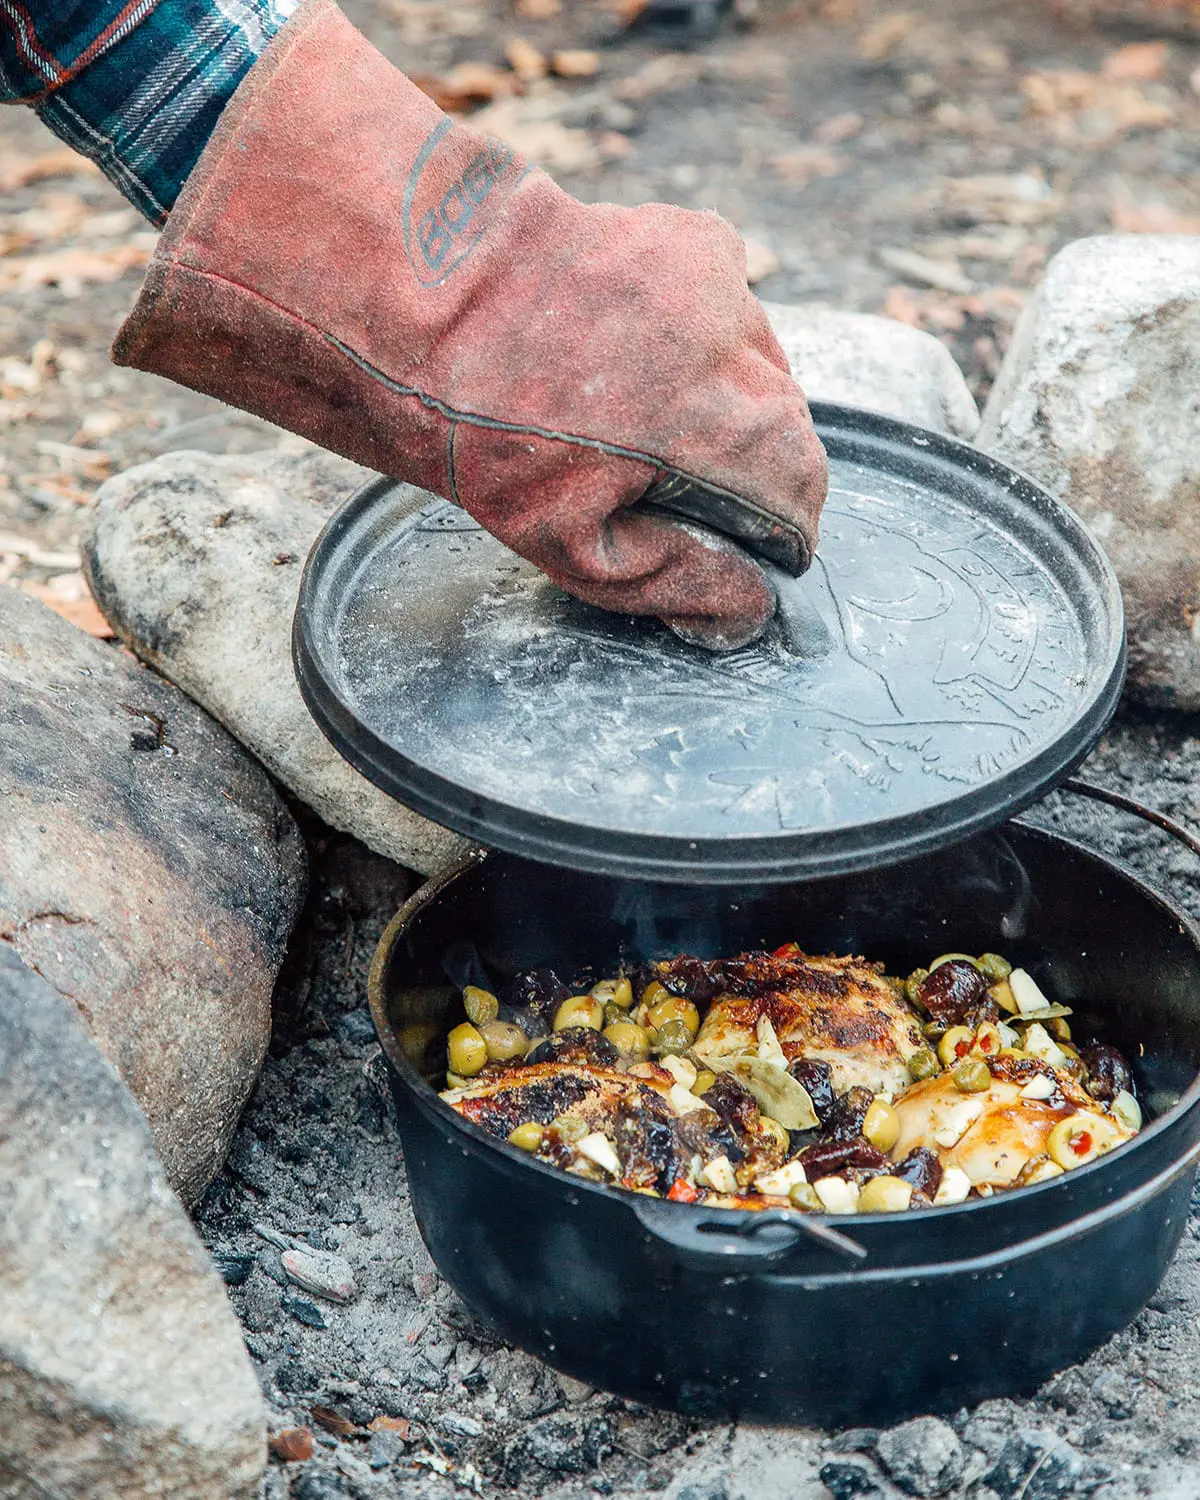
[(921, 161)]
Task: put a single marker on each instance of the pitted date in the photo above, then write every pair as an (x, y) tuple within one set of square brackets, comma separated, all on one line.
[(1108, 1073), (831, 1158), (922, 1168), (843, 1121), (817, 1078), (952, 990)]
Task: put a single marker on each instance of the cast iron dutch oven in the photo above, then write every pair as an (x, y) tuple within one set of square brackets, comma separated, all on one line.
[(955, 651), (751, 1316)]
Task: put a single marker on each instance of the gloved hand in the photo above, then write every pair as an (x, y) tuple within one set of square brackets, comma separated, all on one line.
[(349, 263)]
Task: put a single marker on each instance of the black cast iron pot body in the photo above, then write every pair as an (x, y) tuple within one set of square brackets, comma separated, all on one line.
[(745, 1315)]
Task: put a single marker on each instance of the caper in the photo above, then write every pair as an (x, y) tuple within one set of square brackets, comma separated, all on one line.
[(885, 1195), (526, 1137), (804, 1195), (674, 1008), (774, 1132), (466, 1050), (654, 992), (629, 1039), (614, 992), (881, 1125), (569, 1128), (481, 1006), (922, 1064), (955, 1045), (912, 985), (994, 966), (504, 1040), (674, 1037), (971, 1075), (579, 1010), (704, 1081)]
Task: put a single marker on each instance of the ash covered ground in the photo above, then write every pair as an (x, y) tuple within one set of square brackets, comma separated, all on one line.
[(317, 1163)]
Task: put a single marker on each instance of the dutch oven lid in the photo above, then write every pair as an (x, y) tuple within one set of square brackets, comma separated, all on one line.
[(955, 650)]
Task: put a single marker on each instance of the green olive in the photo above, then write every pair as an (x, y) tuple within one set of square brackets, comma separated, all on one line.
[(629, 1039), (526, 1137), (971, 1075), (988, 1039), (923, 1064), (945, 958), (466, 1050), (955, 1045), (654, 992), (674, 1008), (579, 1010), (504, 1040), (704, 1081), (569, 1128), (885, 1195), (774, 1132), (804, 1195), (994, 966), (881, 1125), (674, 1039), (617, 992), (912, 985), (481, 1006)]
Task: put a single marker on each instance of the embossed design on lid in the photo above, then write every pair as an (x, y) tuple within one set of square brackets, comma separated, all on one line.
[(956, 647)]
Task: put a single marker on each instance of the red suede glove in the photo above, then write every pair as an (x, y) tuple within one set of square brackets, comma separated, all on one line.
[(349, 263)]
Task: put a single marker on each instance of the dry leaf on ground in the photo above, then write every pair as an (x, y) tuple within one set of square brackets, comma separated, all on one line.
[(384, 1423), (67, 595), (944, 275), (547, 143), (1152, 218), (294, 1445), (70, 270), (537, 10), (575, 63), (1091, 107), (468, 84), (882, 38), (332, 1421), (18, 170), (761, 260), (1141, 62), (806, 162), (526, 61)]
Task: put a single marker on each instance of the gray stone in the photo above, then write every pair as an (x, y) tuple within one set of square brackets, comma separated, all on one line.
[(196, 560), (860, 359), (846, 1478), (320, 1271), (149, 870), (122, 1370), (923, 1456), (1097, 400)]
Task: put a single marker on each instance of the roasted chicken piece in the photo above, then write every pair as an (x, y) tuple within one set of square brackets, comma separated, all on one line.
[(658, 1133), (841, 1011), (995, 1135)]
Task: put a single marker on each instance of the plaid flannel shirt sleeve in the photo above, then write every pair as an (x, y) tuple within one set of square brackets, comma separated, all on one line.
[(137, 85)]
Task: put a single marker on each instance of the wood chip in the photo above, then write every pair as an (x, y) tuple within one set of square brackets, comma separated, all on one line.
[(293, 1445), (800, 166), (470, 83), (71, 270), (38, 556), (537, 10), (526, 61), (575, 63), (882, 38), (17, 171), (1152, 218)]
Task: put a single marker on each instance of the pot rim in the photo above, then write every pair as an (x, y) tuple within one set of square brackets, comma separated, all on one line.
[(428, 1099)]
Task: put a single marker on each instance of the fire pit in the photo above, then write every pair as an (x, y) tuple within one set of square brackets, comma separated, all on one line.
[(847, 782)]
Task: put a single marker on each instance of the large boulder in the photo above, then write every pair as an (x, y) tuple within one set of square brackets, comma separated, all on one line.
[(196, 561), (1099, 399), (122, 1367), (860, 359), (148, 869)]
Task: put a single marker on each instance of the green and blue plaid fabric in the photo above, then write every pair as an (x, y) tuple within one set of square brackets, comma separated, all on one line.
[(137, 85)]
